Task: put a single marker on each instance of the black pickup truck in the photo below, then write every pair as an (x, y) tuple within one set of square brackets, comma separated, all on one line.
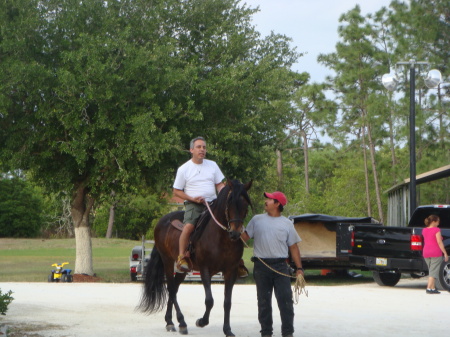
[(391, 251)]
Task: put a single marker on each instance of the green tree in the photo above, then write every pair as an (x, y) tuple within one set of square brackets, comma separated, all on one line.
[(98, 97), (135, 215), (357, 64), (312, 110), (419, 30), (21, 209)]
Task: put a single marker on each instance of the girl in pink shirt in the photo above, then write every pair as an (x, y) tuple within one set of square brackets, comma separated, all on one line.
[(432, 251)]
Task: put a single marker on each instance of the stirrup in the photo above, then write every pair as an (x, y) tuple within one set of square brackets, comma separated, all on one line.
[(182, 264)]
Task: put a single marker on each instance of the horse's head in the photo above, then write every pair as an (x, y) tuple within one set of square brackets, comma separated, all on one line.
[(237, 204)]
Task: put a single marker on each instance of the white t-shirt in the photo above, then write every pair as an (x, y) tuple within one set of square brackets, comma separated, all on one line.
[(199, 180), (273, 236)]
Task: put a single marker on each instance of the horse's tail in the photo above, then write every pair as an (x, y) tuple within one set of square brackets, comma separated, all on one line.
[(154, 297)]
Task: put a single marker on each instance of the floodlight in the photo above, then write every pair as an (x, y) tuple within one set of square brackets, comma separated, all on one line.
[(389, 81), (433, 78)]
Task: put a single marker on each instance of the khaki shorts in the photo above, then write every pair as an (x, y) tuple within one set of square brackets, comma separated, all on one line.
[(192, 212), (434, 264)]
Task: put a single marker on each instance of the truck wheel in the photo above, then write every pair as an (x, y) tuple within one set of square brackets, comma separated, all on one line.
[(133, 277), (389, 279), (443, 282)]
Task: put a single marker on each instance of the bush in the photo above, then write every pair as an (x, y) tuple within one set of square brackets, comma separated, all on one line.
[(20, 209), (5, 300)]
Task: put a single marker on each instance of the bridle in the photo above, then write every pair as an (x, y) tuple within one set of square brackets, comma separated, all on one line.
[(229, 221)]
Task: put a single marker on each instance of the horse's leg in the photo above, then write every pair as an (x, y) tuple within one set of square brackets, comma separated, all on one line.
[(173, 284), (170, 289), (209, 300), (229, 284)]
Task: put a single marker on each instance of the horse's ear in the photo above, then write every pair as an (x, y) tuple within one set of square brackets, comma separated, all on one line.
[(248, 185)]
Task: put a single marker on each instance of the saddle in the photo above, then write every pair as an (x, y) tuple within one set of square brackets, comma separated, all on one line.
[(196, 234), (177, 224)]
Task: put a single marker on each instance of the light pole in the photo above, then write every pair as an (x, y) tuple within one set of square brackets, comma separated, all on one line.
[(390, 82)]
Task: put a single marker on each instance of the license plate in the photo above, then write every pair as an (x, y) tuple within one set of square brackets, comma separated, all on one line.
[(381, 261)]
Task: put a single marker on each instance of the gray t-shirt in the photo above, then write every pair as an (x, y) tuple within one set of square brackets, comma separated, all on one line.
[(272, 236)]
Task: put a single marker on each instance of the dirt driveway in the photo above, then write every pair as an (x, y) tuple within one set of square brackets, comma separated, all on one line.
[(105, 309)]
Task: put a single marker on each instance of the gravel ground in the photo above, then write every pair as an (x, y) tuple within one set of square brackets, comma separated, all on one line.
[(107, 309)]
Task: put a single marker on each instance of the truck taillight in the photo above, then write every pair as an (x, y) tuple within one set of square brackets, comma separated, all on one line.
[(352, 240), (135, 257), (416, 242), (133, 270)]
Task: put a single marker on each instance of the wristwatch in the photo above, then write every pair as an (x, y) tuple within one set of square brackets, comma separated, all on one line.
[(300, 268)]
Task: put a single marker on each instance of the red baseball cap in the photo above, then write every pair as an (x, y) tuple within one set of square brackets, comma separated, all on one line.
[(279, 196)]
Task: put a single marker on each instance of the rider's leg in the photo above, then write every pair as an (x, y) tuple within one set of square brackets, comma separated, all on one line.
[(184, 238), (183, 243)]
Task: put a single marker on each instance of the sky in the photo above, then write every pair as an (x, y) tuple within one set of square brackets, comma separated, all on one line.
[(312, 24)]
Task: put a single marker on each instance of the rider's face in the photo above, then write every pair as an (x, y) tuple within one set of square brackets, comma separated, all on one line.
[(199, 150)]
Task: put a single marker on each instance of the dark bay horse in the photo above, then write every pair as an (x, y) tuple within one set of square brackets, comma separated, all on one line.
[(215, 249)]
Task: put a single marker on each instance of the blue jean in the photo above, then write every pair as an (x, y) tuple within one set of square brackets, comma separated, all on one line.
[(268, 281)]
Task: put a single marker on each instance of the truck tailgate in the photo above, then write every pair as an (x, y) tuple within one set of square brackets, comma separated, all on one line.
[(382, 241)]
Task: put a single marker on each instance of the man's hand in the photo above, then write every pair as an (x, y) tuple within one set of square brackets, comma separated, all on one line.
[(199, 200), (300, 272)]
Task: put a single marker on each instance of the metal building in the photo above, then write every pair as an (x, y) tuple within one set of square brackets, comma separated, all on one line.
[(398, 196)]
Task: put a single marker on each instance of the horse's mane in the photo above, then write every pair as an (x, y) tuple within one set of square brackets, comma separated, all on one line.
[(220, 204)]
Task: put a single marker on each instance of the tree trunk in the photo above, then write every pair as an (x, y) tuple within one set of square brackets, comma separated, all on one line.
[(111, 221), (366, 173), (112, 214), (305, 153), (392, 142), (81, 207), (375, 174), (279, 169)]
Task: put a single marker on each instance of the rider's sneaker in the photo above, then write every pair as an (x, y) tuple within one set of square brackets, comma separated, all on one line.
[(182, 264)]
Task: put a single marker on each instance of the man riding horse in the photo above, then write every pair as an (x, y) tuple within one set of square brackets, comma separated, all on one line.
[(196, 182)]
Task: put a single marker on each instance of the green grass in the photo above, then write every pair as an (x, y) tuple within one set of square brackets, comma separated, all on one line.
[(30, 260)]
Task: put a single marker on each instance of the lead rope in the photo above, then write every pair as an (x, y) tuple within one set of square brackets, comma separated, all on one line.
[(299, 285)]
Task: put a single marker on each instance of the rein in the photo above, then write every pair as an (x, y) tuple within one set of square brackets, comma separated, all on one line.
[(226, 215), (214, 218)]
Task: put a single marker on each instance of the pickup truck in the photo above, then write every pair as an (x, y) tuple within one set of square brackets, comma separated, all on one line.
[(390, 252)]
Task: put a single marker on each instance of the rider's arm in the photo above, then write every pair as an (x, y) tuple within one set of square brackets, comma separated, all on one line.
[(219, 186), (180, 194)]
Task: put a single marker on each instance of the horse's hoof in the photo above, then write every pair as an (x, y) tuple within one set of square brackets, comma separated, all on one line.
[(200, 323), (170, 327), (229, 333), (183, 330)]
